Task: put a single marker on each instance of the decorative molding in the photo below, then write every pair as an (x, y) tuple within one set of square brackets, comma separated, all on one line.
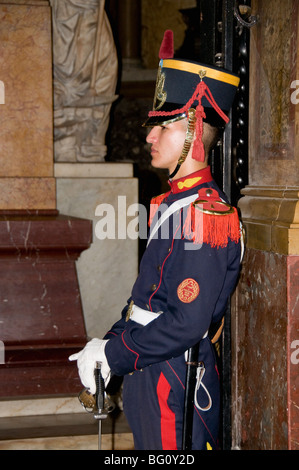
[(271, 218)]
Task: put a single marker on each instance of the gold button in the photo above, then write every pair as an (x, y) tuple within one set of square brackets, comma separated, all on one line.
[(154, 287)]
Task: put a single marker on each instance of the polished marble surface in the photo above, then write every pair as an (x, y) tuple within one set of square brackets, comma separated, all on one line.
[(59, 424)]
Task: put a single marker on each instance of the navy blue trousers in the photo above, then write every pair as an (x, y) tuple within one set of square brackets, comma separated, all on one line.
[(154, 404)]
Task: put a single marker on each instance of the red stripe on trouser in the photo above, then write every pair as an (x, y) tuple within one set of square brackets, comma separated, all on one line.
[(168, 435)]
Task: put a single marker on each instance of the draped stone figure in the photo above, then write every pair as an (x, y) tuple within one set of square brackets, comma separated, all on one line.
[(85, 77)]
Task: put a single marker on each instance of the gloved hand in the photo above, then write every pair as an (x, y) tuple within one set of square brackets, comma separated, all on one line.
[(93, 352)]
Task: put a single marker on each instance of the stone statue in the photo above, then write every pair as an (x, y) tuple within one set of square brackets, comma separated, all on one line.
[(85, 77)]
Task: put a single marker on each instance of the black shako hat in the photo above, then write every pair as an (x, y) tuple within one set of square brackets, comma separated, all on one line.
[(185, 84)]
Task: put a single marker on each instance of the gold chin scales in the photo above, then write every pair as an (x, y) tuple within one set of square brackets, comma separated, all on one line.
[(189, 135)]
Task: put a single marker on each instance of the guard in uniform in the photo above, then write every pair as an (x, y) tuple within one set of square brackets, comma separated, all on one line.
[(187, 273)]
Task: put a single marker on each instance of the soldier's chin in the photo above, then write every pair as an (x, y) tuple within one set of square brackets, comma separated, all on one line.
[(155, 163)]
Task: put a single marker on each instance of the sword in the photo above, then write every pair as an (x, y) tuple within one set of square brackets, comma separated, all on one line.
[(192, 364), (94, 403), (99, 412)]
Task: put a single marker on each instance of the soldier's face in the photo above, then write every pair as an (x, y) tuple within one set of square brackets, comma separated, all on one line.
[(167, 144)]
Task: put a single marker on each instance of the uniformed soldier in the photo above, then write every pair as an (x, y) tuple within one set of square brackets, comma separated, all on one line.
[(187, 272)]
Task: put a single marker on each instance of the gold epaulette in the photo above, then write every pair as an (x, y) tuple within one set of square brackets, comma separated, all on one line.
[(211, 220)]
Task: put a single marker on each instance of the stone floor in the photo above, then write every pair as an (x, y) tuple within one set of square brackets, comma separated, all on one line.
[(122, 441), (24, 425)]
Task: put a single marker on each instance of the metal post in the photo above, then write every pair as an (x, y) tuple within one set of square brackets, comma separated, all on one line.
[(227, 48)]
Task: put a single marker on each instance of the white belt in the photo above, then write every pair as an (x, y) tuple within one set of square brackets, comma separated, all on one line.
[(141, 316), (144, 317)]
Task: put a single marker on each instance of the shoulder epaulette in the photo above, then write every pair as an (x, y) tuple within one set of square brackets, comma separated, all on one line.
[(211, 220)]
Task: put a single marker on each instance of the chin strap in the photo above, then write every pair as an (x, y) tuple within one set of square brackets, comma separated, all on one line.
[(172, 175), (188, 140)]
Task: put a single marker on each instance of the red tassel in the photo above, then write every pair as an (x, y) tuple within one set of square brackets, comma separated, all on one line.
[(166, 48), (198, 152), (155, 203), (215, 230)]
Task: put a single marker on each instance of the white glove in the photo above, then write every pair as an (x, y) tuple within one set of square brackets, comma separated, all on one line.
[(93, 352)]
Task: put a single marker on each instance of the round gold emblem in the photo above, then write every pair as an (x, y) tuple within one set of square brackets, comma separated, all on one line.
[(188, 290)]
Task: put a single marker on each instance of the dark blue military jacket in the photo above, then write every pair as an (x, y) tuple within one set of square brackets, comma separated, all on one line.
[(190, 283), (187, 274)]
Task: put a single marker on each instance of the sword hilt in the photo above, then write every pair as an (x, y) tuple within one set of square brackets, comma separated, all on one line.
[(100, 412)]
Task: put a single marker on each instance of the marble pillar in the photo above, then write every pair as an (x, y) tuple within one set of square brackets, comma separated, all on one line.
[(265, 313), (26, 170)]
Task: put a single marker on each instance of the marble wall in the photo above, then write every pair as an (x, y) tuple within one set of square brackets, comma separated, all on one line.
[(26, 143), (259, 351), (271, 203), (273, 131), (265, 314)]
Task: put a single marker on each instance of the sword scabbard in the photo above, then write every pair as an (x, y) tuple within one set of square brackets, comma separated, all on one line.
[(190, 384)]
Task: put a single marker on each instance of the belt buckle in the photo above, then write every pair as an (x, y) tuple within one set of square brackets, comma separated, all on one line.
[(130, 310)]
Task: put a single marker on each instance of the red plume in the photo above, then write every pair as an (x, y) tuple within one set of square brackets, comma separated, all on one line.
[(166, 48)]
